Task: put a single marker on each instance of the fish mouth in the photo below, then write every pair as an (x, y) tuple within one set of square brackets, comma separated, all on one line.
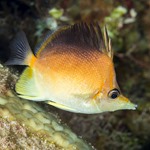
[(130, 105), (127, 104)]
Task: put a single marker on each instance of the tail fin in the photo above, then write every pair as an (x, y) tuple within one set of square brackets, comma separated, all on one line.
[(21, 53)]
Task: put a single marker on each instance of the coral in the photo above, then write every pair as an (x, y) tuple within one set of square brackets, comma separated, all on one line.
[(25, 125)]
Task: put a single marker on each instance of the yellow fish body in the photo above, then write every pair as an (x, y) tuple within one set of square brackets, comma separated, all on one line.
[(72, 69)]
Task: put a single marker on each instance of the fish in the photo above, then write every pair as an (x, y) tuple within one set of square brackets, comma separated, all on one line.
[(71, 69)]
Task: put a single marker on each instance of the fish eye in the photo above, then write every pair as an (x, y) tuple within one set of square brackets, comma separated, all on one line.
[(114, 93)]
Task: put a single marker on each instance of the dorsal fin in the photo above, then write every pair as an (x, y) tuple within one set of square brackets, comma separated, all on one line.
[(85, 36), (108, 46), (40, 44)]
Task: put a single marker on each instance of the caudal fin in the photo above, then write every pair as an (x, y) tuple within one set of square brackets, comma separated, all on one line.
[(21, 53)]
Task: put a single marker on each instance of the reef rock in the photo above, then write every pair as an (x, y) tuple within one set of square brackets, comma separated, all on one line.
[(25, 125)]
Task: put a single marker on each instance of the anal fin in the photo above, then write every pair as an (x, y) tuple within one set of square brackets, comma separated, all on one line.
[(61, 106)]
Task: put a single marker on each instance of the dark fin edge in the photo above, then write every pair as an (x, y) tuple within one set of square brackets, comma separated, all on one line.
[(81, 35), (20, 49), (87, 36)]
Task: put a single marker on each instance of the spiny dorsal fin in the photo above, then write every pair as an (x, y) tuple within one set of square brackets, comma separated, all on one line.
[(81, 35), (107, 40), (40, 44), (85, 36)]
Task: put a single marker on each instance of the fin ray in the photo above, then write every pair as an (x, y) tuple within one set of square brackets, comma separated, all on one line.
[(39, 46), (60, 106), (26, 86), (85, 36), (81, 35), (108, 48), (20, 50)]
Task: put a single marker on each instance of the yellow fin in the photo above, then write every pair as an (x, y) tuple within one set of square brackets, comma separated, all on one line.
[(60, 106), (26, 86)]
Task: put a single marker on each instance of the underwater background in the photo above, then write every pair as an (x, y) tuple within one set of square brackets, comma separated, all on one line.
[(129, 28)]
